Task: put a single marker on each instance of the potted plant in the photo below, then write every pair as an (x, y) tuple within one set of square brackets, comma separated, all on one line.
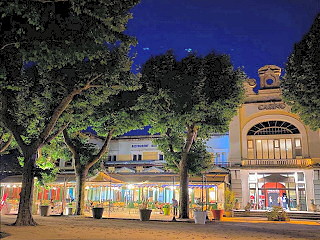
[(277, 214), (97, 212), (229, 202), (200, 216), (69, 209), (145, 213), (217, 213), (44, 209), (237, 204), (166, 209)]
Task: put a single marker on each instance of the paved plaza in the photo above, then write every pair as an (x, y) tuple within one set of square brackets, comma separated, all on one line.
[(79, 227)]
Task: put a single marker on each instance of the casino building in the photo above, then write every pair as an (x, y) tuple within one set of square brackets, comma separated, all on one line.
[(274, 158)]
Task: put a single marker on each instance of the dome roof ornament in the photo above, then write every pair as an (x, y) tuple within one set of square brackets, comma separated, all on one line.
[(269, 76)]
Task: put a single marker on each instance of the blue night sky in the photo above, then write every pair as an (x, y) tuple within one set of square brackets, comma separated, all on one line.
[(253, 33)]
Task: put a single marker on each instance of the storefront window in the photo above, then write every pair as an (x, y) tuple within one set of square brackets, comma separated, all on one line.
[(277, 189)]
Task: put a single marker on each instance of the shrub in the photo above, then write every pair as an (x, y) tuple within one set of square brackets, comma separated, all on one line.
[(277, 214)]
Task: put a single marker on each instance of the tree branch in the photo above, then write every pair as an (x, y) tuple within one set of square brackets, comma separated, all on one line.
[(191, 135), (60, 109), (6, 45), (72, 147), (9, 124), (102, 151), (54, 135), (7, 144), (168, 133)]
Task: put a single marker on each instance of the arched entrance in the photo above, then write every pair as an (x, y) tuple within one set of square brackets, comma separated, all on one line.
[(275, 194)]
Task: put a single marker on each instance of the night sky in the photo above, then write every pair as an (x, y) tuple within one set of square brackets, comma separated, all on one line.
[(253, 33)]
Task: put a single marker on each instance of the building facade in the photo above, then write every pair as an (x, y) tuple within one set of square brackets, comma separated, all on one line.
[(274, 158)]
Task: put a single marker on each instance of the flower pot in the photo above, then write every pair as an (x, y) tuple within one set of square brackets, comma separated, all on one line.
[(97, 212), (166, 211), (69, 210), (217, 214), (237, 205), (200, 217), (145, 214), (228, 213), (44, 211)]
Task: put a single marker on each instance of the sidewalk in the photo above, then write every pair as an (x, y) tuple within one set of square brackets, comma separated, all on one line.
[(156, 216)]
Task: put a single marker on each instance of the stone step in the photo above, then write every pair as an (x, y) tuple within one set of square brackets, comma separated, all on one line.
[(298, 215)]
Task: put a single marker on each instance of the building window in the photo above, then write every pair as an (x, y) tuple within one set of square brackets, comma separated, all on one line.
[(68, 163), (273, 128), (136, 157), (112, 158), (298, 149), (161, 157), (316, 174), (300, 177)]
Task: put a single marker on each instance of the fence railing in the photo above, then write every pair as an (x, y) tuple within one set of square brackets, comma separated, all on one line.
[(276, 162)]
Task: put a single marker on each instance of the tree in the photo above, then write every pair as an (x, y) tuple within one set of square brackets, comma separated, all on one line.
[(52, 51), (5, 140), (300, 87), (114, 116), (196, 96), (199, 159)]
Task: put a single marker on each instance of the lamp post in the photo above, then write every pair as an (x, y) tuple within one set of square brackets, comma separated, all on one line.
[(173, 196)]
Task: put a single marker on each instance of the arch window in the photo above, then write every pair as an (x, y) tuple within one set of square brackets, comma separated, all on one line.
[(272, 140), (273, 128)]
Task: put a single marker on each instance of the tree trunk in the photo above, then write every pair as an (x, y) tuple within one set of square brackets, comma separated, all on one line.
[(184, 183), (184, 176), (80, 189), (24, 217)]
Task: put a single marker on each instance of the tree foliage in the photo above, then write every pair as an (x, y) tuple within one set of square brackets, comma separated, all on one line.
[(187, 101), (114, 116), (301, 84), (199, 160), (51, 52)]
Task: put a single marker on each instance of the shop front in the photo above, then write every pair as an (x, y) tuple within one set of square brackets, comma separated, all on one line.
[(287, 190)]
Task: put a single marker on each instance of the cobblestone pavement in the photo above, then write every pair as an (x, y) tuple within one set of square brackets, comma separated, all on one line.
[(80, 227)]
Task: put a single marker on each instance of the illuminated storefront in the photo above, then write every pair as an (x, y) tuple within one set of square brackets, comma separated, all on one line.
[(277, 189)]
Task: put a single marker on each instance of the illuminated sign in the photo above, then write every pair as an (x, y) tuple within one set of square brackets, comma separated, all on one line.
[(271, 106), (142, 145)]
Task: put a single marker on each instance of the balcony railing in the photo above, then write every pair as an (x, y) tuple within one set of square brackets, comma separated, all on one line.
[(277, 162)]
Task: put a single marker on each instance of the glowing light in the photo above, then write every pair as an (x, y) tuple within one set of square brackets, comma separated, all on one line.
[(212, 195), (87, 187), (188, 49), (130, 186), (14, 186), (8, 185)]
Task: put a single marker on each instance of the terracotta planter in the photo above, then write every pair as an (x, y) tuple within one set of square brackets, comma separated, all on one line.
[(200, 217), (217, 214), (145, 214), (97, 212), (44, 211)]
